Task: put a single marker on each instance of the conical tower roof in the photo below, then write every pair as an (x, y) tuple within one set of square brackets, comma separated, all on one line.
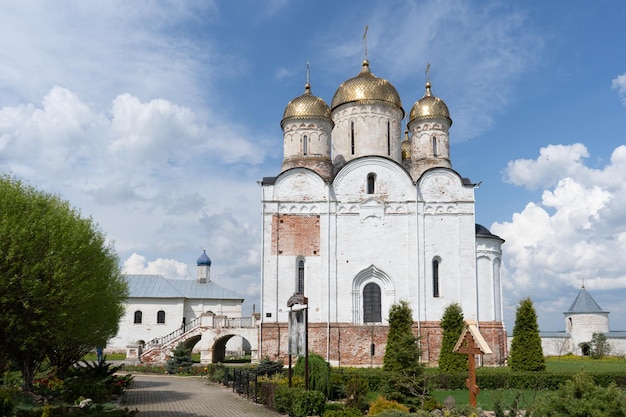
[(584, 303)]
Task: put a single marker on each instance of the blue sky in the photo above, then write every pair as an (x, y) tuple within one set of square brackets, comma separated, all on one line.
[(157, 118)]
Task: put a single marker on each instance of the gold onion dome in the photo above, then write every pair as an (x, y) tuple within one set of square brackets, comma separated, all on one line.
[(366, 88), (429, 107), (306, 106), (406, 146)]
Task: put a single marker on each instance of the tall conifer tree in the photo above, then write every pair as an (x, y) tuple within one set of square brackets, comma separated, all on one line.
[(452, 325), (526, 351)]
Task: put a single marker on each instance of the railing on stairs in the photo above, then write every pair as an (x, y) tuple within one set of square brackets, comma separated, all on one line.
[(216, 322)]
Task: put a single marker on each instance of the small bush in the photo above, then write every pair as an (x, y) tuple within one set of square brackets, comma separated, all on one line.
[(319, 372), (346, 412), (283, 399), (6, 401), (356, 393), (382, 404), (269, 367), (394, 413), (307, 403)]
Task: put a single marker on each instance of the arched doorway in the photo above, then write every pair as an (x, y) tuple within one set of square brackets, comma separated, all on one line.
[(231, 347)]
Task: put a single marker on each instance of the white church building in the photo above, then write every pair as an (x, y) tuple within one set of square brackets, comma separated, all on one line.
[(157, 306), (362, 216)]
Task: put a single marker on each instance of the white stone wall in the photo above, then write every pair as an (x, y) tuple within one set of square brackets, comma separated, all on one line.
[(130, 333), (175, 309), (389, 237)]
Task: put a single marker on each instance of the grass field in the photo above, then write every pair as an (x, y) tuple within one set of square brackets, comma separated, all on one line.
[(576, 364)]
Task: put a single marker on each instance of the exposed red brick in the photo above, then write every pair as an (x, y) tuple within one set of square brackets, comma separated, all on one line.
[(351, 345), (295, 235)]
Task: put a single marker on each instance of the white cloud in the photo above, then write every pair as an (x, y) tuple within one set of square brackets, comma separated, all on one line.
[(575, 234), (478, 52), (554, 162), (619, 83), (169, 268)]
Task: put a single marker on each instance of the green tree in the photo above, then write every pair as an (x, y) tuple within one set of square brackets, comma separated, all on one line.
[(452, 324), (580, 397), (526, 351), (319, 372), (598, 346), (62, 290), (401, 361), (180, 362)]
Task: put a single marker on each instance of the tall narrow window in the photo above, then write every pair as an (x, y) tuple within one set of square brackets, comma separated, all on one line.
[(300, 284), (435, 278), (372, 311), (388, 138), (304, 145), (371, 183), (352, 137), (138, 317), (161, 317), (434, 146)]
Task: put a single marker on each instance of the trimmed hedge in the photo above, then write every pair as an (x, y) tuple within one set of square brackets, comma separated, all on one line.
[(496, 379)]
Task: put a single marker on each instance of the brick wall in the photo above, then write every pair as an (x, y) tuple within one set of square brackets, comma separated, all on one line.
[(296, 235), (352, 345)]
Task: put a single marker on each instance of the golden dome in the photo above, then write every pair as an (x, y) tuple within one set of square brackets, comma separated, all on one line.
[(429, 107), (366, 88), (406, 146), (306, 106)]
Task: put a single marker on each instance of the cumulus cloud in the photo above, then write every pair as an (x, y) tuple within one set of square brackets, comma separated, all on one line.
[(575, 234), (499, 47), (169, 268), (619, 83), (554, 162)]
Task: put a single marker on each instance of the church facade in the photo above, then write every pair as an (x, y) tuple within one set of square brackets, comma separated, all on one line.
[(363, 215)]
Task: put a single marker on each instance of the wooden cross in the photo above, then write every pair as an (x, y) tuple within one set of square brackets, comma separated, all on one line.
[(472, 343)]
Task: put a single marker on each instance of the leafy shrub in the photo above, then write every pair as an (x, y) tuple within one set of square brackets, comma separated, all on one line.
[(6, 401), (95, 380), (394, 413), (307, 403), (581, 397), (382, 404), (346, 412), (216, 372), (356, 393), (283, 398)]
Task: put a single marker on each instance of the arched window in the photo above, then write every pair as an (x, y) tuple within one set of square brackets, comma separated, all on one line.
[(161, 317), (304, 145), (371, 183), (352, 137), (372, 312), (138, 317), (434, 146), (435, 278), (300, 282), (388, 137)]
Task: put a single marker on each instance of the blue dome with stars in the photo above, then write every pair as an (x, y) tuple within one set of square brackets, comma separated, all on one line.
[(204, 260)]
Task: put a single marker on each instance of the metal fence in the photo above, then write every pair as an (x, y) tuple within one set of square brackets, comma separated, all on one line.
[(244, 382)]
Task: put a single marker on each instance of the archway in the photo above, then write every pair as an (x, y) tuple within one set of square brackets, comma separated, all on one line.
[(231, 347)]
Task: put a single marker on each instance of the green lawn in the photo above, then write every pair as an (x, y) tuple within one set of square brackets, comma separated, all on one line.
[(576, 364)]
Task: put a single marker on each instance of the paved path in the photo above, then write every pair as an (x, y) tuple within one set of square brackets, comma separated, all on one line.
[(172, 396)]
